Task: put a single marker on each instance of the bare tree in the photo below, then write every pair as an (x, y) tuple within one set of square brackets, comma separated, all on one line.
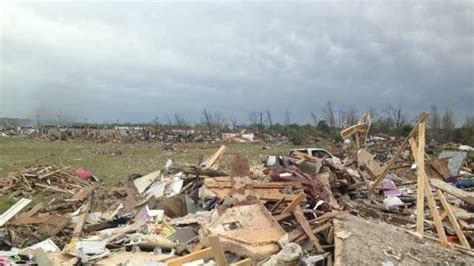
[(315, 119), (269, 118), (260, 121), (287, 117), (347, 117), (341, 118), (213, 121), (351, 118), (233, 121), (328, 114), (396, 115), (435, 120), (208, 120), (170, 122), (253, 118), (180, 121), (447, 124), (373, 113)]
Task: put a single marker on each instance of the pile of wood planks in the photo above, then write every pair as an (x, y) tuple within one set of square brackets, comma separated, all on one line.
[(42, 178)]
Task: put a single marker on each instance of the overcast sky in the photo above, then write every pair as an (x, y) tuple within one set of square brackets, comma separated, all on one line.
[(134, 61)]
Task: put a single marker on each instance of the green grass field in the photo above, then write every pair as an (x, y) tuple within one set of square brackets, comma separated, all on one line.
[(112, 162)]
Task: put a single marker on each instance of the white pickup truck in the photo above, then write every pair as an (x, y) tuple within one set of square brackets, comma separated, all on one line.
[(316, 152), (273, 160)]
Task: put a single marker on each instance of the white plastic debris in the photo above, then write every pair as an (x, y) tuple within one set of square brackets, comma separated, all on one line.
[(392, 202), (45, 245), (168, 165), (157, 189), (465, 148)]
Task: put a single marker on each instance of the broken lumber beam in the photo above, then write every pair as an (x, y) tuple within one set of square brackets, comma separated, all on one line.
[(217, 250), (402, 147), (452, 190), (245, 262), (22, 220), (214, 157), (198, 255), (54, 188), (346, 133), (82, 219), (277, 204), (299, 215), (300, 198), (453, 219)]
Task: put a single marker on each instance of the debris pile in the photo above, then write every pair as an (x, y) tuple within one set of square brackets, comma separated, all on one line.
[(45, 179), (306, 208)]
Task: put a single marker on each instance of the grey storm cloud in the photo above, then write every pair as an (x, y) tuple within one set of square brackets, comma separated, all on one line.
[(135, 61)]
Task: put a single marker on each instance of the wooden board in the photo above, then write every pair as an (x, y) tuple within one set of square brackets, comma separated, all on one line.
[(82, 219), (452, 190), (402, 147), (28, 220), (300, 198), (136, 258), (453, 219), (298, 213), (198, 255), (346, 133), (215, 157), (217, 250), (54, 225)]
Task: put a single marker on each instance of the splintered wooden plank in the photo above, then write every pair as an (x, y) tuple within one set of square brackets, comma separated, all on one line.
[(49, 174), (300, 198), (38, 207), (298, 213), (54, 188), (298, 234), (198, 255), (217, 250), (83, 193), (338, 246), (215, 157), (277, 204), (452, 218), (435, 213), (22, 220), (452, 190), (346, 133), (82, 219), (420, 192), (402, 147), (54, 225), (418, 149), (245, 262)]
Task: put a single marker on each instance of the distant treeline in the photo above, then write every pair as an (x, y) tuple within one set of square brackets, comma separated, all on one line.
[(390, 120)]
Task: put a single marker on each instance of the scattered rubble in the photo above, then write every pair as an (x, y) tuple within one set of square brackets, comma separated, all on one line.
[(381, 202)]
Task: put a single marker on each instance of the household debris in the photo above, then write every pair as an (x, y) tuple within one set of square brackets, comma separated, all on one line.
[(365, 206)]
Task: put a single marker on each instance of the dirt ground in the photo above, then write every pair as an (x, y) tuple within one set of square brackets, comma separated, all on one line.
[(371, 242)]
